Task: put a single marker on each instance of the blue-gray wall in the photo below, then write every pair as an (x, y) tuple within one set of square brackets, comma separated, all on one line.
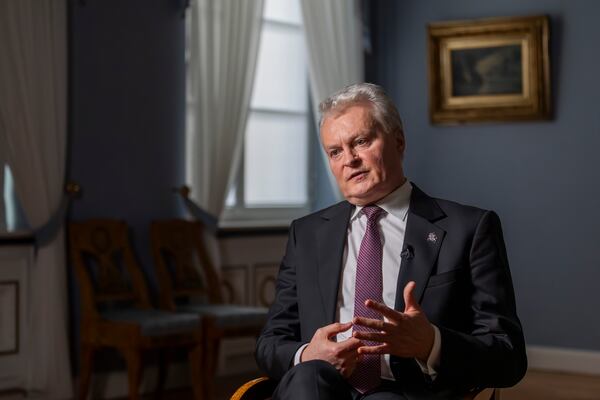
[(127, 111), (541, 177)]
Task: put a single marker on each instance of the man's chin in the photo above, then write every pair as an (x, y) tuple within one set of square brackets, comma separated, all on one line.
[(366, 196), (361, 199)]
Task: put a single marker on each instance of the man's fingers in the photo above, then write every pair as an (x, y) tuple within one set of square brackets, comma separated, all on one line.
[(378, 349), (409, 299), (378, 324), (371, 336), (334, 329), (384, 310), (350, 344)]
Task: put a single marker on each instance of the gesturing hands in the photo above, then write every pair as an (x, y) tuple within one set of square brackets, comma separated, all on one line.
[(342, 355), (404, 334)]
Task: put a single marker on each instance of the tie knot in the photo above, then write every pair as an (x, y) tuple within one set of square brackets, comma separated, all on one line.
[(373, 212)]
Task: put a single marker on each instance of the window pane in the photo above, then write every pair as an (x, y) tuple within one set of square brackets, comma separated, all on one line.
[(230, 199), (2, 198), (12, 218), (281, 81), (275, 159), (287, 11)]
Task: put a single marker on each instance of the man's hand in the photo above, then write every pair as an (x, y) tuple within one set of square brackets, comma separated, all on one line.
[(342, 355), (407, 334)]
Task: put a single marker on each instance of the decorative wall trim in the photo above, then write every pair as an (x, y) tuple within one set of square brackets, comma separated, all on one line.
[(564, 360), (235, 281), (265, 280), (16, 262), (9, 317)]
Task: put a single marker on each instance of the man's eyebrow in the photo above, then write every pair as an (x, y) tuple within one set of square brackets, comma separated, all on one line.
[(366, 132)]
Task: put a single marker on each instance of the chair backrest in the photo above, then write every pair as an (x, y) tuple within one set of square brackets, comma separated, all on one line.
[(183, 267), (105, 266)]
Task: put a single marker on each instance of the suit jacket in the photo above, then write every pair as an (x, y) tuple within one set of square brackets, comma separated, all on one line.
[(456, 256)]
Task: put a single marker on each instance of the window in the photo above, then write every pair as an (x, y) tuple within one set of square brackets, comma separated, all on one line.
[(272, 184), (3, 202), (12, 220)]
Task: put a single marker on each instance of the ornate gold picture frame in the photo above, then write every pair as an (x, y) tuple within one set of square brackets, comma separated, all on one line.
[(489, 70)]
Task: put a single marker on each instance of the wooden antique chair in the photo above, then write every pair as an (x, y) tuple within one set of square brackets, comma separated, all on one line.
[(116, 310), (189, 283), (262, 389)]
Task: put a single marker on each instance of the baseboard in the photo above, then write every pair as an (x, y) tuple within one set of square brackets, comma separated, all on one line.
[(564, 360)]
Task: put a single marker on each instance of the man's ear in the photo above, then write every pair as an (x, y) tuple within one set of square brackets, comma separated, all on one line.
[(400, 143)]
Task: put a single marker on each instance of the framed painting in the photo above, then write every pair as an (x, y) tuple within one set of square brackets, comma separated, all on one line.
[(489, 70)]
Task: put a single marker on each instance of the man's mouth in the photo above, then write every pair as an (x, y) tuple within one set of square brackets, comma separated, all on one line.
[(357, 175)]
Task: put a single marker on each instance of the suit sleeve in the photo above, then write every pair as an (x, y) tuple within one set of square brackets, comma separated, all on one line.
[(493, 353), (280, 338)]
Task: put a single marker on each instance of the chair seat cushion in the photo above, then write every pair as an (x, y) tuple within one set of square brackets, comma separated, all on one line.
[(155, 322), (227, 315)]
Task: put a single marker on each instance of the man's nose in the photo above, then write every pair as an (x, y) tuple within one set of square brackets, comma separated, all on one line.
[(351, 158)]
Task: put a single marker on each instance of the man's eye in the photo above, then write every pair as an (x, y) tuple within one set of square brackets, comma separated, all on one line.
[(361, 141), (334, 153)]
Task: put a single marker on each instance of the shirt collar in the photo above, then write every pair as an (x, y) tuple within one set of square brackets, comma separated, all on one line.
[(396, 203)]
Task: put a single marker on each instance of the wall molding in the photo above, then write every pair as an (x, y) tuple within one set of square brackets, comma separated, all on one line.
[(564, 360), (15, 266)]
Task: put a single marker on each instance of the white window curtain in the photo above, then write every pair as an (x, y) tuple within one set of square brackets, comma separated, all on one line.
[(33, 115), (224, 41), (335, 50), (224, 46)]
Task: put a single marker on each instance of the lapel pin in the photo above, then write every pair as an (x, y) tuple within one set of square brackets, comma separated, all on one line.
[(432, 237)]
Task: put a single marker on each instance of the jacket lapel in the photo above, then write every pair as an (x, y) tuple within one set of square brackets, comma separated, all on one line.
[(331, 239), (422, 242)]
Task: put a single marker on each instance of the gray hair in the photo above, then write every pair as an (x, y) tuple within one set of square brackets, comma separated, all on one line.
[(383, 110)]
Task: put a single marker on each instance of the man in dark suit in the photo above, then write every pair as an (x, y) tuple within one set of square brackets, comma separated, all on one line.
[(390, 294)]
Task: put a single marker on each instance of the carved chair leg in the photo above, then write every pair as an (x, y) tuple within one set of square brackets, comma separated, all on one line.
[(85, 373), (164, 357), (133, 357), (195, 359), (211, 360), (210, 342)]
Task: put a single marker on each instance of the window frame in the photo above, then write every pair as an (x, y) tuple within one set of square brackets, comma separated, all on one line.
[(240, 215)]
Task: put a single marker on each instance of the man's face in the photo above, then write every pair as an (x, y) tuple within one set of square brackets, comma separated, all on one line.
[(366, 162)]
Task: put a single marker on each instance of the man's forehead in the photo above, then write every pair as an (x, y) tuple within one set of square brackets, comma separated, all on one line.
[(364, 108), (353, 118)]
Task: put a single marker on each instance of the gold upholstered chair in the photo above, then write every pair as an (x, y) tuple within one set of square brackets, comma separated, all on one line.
[(262, 389)]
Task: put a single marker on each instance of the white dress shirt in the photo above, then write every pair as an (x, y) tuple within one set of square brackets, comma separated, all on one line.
[(392, 226)]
